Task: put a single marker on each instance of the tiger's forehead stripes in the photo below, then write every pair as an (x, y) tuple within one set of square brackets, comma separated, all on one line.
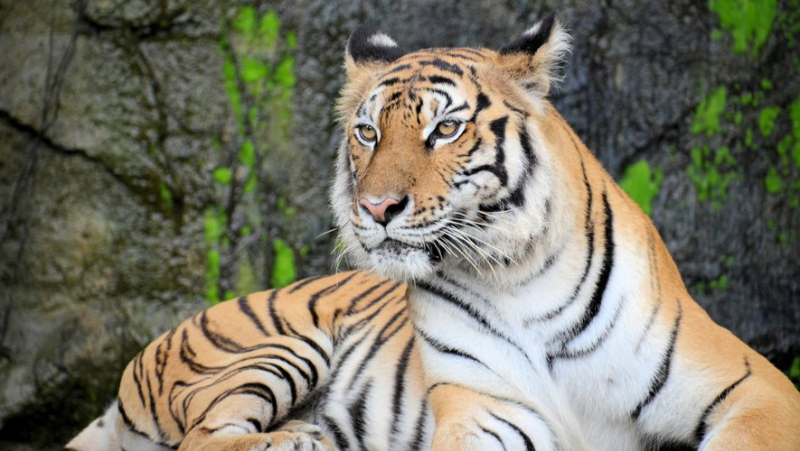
[(430, 75)]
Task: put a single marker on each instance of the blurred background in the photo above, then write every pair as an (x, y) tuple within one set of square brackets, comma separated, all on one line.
[(158, 156)]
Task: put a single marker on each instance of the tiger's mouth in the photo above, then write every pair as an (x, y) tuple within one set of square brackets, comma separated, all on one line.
[(392, 247)]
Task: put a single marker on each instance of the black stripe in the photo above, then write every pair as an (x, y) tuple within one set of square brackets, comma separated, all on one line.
[(399, 387), (483, 102), (463, 106), (605, 271), (219, 341), (498, 127), (311, 343), (351, 309), (244, 306), (357, 410), (341, 439), (448, 99), (438, 79), (493, 434), (517, 197), (311, 379), (456, 301), (389, 82), (258, 390), (599, 341), (312, 301), (399, 68), (444, 349), (132, 428), (649, 325), (302, 283), (596, 300), (700, 431), (589, 231), (377, 343), (256, 424), (154, 413), (662, 373), (528, 444), (457, 55), (443, 65), (136, 368), (419, 428), (283, 374)]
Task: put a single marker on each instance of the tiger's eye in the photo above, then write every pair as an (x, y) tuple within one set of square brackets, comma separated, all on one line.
[(446, 129), (367, 133)]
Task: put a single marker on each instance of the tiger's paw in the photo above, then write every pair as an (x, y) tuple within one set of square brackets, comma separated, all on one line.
[(293, 435), (296, 436)]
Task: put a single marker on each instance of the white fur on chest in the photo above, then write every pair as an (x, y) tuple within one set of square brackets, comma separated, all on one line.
[(607, 369)]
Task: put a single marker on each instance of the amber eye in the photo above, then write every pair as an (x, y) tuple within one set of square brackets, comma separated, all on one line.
[(366, 134), (446, 129)]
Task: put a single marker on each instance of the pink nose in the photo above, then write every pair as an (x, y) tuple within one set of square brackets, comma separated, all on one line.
[(381, 211)]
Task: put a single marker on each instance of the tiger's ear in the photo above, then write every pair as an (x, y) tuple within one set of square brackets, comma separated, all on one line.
[(536, 57), (368, 48)]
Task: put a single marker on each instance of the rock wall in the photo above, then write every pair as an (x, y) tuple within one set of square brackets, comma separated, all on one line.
[(158, 155)]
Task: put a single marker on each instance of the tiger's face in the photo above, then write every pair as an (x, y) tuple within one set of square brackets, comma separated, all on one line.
[(439, 146)]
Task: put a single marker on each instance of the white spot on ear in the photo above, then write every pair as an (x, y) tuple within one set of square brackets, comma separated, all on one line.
[(381, 40), (533, 30)]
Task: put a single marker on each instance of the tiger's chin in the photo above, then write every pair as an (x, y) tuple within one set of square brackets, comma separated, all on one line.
[(401, 262)]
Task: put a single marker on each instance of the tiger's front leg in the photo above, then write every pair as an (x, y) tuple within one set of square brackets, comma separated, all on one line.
[(292, 436), (467, 420)]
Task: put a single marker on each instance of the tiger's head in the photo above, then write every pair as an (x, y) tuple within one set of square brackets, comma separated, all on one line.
[(447, 156)]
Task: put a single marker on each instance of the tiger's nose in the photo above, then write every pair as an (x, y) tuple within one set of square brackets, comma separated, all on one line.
[(386, 209)]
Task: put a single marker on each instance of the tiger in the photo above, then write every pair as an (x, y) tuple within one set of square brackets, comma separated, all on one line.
[(510, 295)]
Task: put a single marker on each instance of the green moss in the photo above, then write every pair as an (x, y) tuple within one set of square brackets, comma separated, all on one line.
[(258, 71), (247, 154), (232, 88), (712, 173), (245, 21), (253, 70), (783, 150), (223, 176), (251, 183), (706, 118), (719, 283), (642, 184), (268, 29), (166, 196), (283, 270), (213, 226), (284, 73), (794, 115), (748, 138), (748, 21), (773, 181), (794, 372), (729, 261), (766, 120), (291, 40)]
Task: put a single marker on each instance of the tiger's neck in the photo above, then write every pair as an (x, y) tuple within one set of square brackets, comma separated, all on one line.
[(555, 282)]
